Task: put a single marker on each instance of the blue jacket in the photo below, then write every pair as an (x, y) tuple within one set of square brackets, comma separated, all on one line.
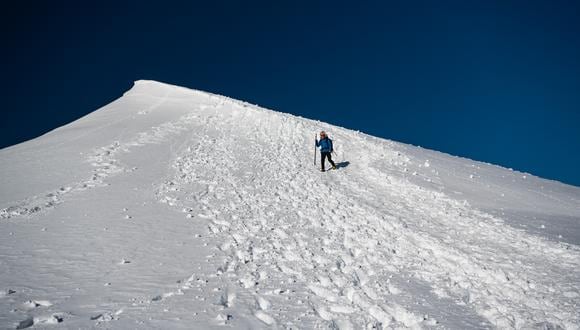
[(325, 145)]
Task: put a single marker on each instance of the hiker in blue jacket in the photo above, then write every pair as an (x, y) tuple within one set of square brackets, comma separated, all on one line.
[(326, 149)]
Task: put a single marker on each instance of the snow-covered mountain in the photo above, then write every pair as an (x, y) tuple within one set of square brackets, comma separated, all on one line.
[(175, 208)]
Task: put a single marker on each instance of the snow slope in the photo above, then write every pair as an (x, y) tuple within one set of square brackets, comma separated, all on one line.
[(174, 208)]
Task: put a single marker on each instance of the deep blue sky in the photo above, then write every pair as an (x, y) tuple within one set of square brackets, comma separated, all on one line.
[(496, 81)]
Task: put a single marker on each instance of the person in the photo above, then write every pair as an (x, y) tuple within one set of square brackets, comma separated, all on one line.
[(326, 149)]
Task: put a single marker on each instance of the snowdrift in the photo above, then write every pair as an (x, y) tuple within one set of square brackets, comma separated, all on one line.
[(175, 208)]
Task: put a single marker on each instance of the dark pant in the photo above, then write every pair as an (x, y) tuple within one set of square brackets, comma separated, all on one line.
[(323, 156)]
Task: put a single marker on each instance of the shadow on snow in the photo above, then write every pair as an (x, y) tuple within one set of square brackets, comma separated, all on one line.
[(342, 164)]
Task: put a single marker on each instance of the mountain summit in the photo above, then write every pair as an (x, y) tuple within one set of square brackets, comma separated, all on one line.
[(175, 208)]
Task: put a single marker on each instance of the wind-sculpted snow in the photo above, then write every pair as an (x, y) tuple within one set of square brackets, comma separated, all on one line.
[(208, 212)]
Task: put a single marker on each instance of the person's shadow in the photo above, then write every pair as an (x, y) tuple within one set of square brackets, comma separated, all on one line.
[(342, 164)]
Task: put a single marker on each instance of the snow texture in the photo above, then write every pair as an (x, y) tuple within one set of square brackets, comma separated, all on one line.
[(174, 208)]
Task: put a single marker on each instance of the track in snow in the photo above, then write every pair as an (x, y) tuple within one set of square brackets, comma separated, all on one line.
[(291, 247), (348, 247)]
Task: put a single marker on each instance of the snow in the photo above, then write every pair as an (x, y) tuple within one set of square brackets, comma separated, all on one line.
[(175, 208)]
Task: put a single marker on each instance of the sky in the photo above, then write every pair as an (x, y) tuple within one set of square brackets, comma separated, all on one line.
[(494, 81)]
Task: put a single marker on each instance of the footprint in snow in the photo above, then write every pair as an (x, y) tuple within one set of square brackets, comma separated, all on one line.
[(227, 298), (263, 303), (40, 320), (124, 261), (166, 295), (36, 303), (223, 319), (6, 293), (264, 317), (107, 317)]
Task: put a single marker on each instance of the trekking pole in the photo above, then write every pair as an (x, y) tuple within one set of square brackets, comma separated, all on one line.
[(335, 154), (315, 149)]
